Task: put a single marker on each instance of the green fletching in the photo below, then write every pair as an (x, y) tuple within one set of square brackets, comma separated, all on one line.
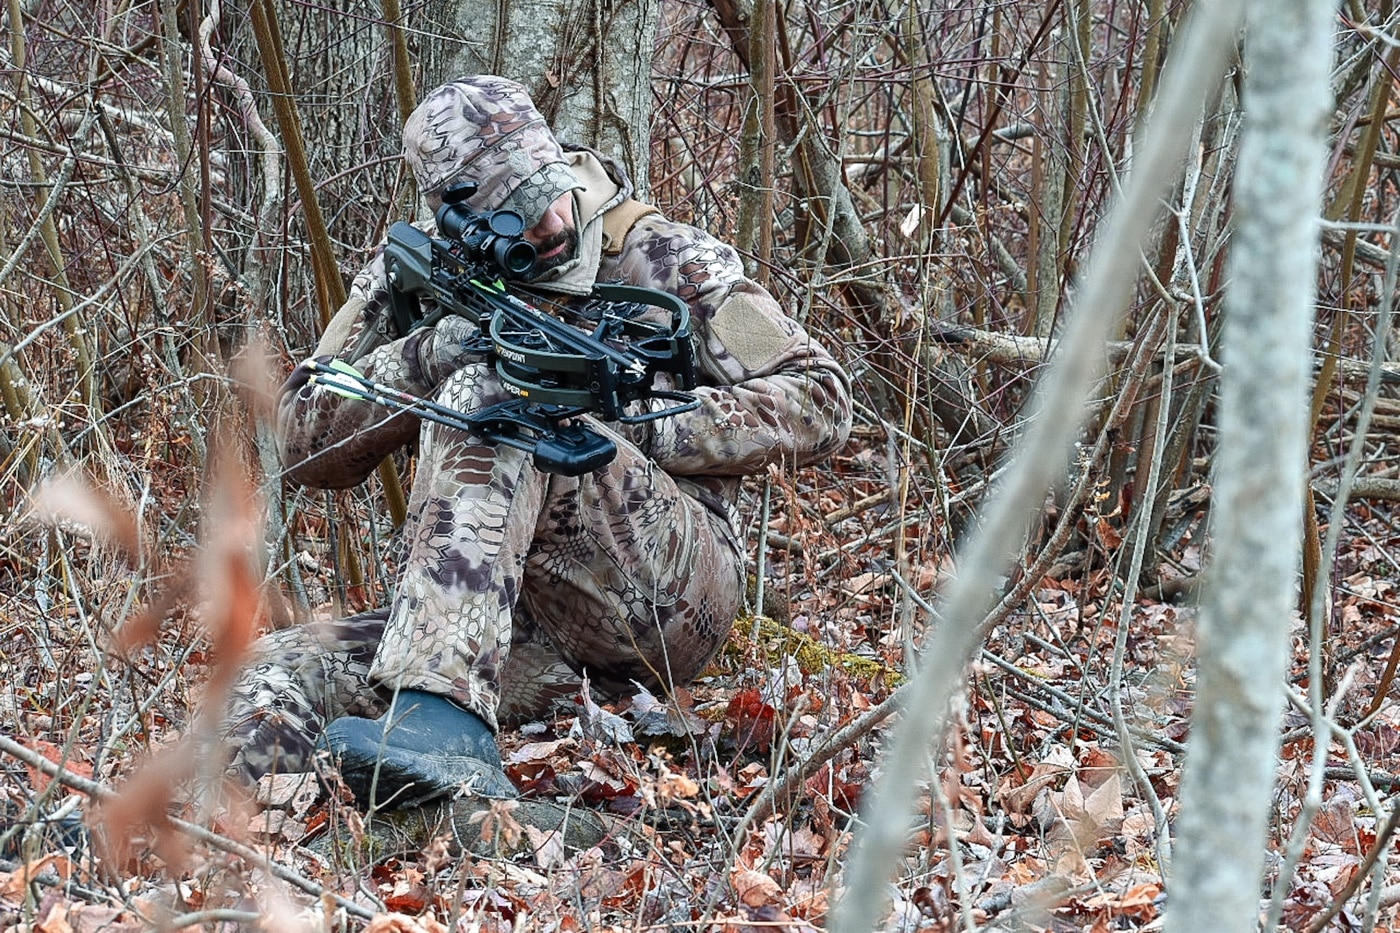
[(340, 366)]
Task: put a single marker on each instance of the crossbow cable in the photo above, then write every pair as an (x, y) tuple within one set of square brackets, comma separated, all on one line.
[(558, 372)]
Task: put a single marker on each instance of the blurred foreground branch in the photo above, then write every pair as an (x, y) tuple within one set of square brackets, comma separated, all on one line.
[(102, 793)]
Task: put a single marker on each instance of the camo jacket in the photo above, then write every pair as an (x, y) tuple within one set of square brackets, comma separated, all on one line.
[(769, 394)]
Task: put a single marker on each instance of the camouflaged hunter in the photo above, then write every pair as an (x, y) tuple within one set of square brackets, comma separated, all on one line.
[(516, 582)]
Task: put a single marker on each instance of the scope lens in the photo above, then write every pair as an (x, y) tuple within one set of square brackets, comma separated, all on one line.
[(514, 256)]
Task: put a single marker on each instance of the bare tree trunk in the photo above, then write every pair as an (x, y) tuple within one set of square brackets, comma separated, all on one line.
[(1248, 608), (586, 63)]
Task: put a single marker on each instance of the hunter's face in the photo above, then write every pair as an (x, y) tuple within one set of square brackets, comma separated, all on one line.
[(555, 237)]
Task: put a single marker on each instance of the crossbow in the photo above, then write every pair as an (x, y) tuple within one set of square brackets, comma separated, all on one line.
[(556, 370)]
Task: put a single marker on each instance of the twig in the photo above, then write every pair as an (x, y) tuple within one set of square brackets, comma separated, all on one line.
[(103, 793), (1070, 703), (1319, 922), (217, 915), (834, 743), (330, 289), (958, 873), (855, 508), (1142, 534)]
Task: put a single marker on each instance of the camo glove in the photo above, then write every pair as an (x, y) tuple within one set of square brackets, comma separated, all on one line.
[(442, 349)]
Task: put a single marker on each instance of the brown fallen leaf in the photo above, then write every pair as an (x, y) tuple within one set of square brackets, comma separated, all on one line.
[(402, 923), (13, 883), (755, 889), (294, 792), (1099, 812), (1021, 798), (55, 919), (100, 918), (39, 780), (276, 824)]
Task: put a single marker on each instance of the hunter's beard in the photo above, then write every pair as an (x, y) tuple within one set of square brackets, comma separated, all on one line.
[(568, 239)]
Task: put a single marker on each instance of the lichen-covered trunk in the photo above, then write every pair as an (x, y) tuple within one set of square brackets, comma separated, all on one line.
[(1260, 470)]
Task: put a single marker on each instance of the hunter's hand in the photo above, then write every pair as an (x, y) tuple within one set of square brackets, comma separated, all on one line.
[(443, 349)]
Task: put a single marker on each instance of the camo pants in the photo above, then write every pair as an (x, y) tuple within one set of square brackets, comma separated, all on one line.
[(515, 583)]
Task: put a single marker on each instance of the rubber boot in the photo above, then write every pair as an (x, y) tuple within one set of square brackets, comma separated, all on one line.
[(425, 747)]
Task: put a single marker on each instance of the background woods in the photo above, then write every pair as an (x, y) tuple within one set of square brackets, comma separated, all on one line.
[(187, 186)]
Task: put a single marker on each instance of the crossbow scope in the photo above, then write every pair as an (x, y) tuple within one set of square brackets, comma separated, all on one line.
[(496, 239)]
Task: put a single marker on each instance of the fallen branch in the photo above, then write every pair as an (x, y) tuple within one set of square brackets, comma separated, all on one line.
[(1017, 349), (1384, 780), (1364, 487), (1367, 252)]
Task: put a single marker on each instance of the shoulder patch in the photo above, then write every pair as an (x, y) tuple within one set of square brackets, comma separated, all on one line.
[(620, 220)]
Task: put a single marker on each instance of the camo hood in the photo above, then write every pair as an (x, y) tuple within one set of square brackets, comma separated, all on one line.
[(486, 129)]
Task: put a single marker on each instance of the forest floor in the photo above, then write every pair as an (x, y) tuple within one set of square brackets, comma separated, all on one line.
[(1030, 820)]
